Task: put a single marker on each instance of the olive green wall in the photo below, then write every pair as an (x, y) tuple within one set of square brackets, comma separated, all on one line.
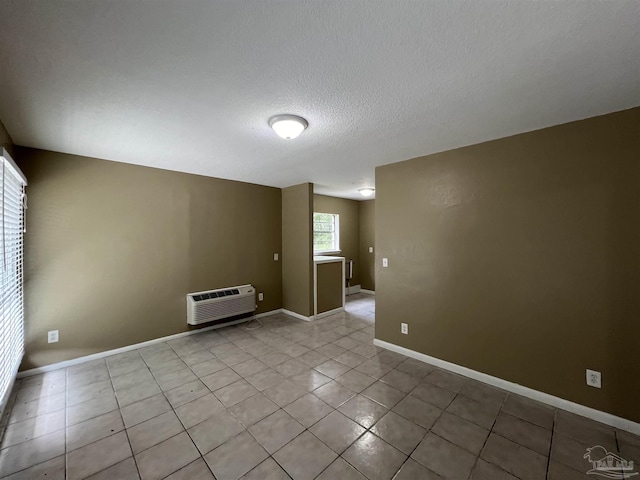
[(297, 249), (367, 221), (112, 249), (349, 228), (330, 293), (520, 258), (5, 139)]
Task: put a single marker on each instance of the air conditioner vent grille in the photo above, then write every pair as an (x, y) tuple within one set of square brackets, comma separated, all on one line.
[(213, 305), (215, 294)]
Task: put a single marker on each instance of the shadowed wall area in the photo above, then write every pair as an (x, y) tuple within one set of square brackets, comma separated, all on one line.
[(297, 249), (112, 249), (5, 139), (367, 210), (520, 258)]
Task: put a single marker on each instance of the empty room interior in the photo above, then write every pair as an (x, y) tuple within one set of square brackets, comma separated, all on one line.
[(364, 240)]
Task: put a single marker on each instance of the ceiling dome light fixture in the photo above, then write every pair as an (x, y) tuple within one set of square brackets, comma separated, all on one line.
[(288, 126), (366, 192)]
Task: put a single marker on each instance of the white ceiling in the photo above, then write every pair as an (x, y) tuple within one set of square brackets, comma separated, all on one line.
[(190, 85)]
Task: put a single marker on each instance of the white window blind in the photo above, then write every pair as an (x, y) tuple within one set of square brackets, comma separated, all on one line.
[(13, 204)]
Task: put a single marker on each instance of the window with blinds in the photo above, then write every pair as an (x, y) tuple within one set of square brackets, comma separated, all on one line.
[(13, 204)]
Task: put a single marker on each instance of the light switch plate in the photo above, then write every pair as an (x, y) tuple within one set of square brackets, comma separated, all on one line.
[(385, 262), (52, 336), (370, 249), (275, 257)]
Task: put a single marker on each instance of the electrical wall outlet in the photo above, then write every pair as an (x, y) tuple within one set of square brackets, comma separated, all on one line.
[(275, 257), (385, 262), (261, 296), (370, 249), (404, 328), (594, 378), (52, 336)]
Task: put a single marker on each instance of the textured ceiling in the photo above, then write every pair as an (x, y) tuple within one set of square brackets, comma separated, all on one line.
[(190, 85)]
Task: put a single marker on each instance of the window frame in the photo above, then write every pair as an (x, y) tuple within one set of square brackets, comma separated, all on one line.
[(336, 234), (13, 204)]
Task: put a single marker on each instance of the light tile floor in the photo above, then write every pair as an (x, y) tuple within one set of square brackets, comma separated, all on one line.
[(290, 400)]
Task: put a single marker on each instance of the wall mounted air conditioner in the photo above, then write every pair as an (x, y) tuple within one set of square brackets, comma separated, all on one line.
[(212, 305)]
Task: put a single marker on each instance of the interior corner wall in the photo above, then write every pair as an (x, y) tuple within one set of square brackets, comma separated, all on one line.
[(349, 228), (520, 258), (367, 223), (112, 249), (297, 249), (5, 139)]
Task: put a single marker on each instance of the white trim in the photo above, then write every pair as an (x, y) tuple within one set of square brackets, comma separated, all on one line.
[(336, 236), (592, 413), (135, 346), (352, 290), (9, 161), (329, 312), (367, 292), (248, 287), (297, 315), (269, 313), (115, 351), (4, 403), (327, 259)]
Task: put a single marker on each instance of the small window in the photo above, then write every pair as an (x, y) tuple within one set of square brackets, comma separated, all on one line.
[(326, 233)]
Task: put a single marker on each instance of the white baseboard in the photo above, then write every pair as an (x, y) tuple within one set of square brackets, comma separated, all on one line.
[(329, 312), (561, 403), (368, 292), (297, 315), (135, 346), (269, 313), (352, 290), (6, 399)]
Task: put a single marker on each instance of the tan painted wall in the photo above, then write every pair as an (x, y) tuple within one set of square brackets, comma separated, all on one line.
[(329, 286), (367, 223), (5, 139), (349, 228), (112, 249), (297, 249), (520, 258)]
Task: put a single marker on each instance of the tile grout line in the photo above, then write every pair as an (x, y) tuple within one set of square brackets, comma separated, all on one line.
[(172, 409), (430, 429), (487, 439), (124, 427), (245, 342), (115, 433), (106, 365), (176, 414), (306, 429), (422, 439), (553, 438), (118, 402), (181, 422), (212, 392), (368, 430), (96, 416)]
